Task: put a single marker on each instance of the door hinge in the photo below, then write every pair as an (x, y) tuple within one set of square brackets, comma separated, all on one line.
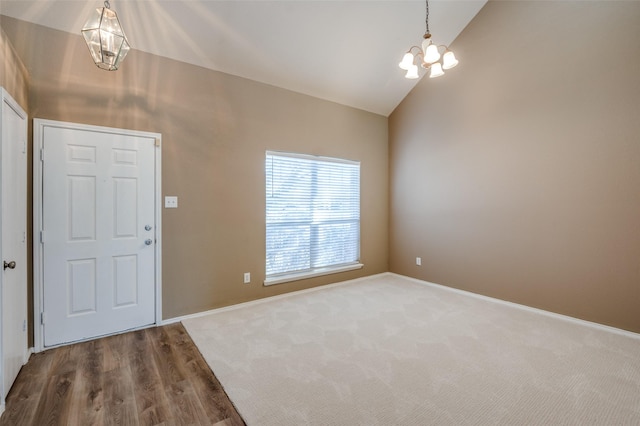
[(157, 141), (42, 155), (41, 237), (24, 146), (43, 318)]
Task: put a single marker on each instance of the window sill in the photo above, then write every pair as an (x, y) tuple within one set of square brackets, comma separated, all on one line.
[(317, 273)]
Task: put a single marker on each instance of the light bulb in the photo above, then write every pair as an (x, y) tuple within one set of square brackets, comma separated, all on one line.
[(436, 70), (449, 60), (412, 72), (407, 61), (431, 54)]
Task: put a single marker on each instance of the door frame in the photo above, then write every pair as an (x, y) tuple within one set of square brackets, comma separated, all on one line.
[(5, 97), (39, 126)]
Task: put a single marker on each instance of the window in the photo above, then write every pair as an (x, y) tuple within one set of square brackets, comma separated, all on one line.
[(312, 216)]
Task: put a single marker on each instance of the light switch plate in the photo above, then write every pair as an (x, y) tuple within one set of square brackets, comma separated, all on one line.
[(170, 202)]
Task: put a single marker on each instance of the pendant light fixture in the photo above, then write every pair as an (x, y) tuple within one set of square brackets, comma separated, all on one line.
[(104, 37), (428, 56)]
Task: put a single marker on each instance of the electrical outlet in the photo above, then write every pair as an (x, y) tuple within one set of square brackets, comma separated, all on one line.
[(170, 202), (419, 261), (247, 277)]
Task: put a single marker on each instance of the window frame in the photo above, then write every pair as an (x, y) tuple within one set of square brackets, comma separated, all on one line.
[(283, 277)]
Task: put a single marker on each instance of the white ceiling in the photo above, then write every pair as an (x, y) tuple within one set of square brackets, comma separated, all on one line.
[(342, 51)]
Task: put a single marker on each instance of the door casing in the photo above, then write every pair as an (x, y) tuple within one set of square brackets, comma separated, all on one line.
[(6, 98), (38, 278)]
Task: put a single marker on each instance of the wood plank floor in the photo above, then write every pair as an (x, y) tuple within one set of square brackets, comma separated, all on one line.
[(154, 376)]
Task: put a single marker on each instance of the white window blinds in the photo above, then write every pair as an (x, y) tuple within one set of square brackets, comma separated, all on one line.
[(312, 214)]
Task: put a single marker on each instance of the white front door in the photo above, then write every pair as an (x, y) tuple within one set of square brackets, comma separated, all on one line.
[(99, 232), (13, 252)]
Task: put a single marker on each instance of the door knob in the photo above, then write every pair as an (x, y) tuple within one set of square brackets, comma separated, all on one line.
[(147, 227), (148, 242), (10, 265)]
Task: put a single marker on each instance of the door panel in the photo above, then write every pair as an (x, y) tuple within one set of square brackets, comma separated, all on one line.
[(81, 220), (98, 257), (81, 286), (14, 247)]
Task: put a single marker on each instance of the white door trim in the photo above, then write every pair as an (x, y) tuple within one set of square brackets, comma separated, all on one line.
[(5, 97), (38, 279)]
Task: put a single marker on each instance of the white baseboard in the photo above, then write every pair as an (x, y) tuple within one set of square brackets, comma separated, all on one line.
[(574, 320), (27, 355)]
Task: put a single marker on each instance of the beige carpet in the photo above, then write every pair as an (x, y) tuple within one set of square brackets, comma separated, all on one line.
[(387, 350)]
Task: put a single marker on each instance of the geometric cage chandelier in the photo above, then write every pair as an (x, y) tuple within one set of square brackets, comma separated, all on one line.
[(428, 56), (105, 38)]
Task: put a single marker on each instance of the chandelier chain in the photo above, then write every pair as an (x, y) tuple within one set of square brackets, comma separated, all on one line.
[(106, 4), (426, 19)]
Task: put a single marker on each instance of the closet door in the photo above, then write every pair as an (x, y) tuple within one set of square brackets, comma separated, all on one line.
[(13, 251)]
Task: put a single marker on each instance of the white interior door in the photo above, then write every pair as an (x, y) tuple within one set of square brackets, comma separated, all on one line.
[(99, 232), (13, 252)]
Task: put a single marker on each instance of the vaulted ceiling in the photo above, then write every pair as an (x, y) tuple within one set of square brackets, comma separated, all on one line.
[(341, 51)]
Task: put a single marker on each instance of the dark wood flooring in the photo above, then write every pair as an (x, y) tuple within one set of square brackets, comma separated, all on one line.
[(154, 376)]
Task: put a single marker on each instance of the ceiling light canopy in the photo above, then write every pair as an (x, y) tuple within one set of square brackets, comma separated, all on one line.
[(104, 37), (428, 55)]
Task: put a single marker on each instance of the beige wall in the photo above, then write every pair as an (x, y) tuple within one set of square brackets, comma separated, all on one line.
[(13, 74), (517, 174), (215, 129)]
